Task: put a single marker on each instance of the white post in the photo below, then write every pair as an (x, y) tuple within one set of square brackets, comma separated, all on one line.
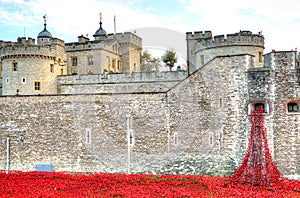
[(7, 154), (128, 142)]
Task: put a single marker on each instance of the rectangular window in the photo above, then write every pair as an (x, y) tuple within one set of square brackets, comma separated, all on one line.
[(61, 71), (52, 68), (119, 65), (73, 61), (293, 107), (114, 64), (90, 60), (15, 66), (37, 85), (260, 55)]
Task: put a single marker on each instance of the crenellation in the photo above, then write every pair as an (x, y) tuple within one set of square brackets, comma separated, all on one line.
[(199, 35), (232, 40), (219, 38)]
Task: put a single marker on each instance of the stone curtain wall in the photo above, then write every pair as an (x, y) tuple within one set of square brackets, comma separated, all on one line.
[(56, 130), (208, 109), (53, 129)]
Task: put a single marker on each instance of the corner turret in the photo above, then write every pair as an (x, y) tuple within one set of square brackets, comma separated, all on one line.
[(203, 47)]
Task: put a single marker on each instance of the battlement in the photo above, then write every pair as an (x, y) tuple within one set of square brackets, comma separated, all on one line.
[(243, 38), (24, 41), (123, 77), (198, 35), (27, 47), (126, 37), (57, 41), (14, 49), (120, 83), (85, 44)]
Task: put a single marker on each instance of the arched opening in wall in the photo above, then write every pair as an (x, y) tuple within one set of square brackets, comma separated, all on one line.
[(259, 104), (114, 65)]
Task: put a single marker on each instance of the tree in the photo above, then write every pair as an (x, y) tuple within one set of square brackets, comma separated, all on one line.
[(148, 63), (169, 58)]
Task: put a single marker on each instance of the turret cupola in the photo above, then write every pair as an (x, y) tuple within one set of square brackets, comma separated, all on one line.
[(44, 36), (100, 33)]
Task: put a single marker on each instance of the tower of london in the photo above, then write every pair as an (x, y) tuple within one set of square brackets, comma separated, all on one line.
[(72, 105)]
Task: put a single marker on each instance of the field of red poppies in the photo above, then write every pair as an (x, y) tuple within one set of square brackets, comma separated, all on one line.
[(74, 184)]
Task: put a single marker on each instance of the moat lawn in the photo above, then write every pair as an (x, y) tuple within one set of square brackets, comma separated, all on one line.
[(74, 184)]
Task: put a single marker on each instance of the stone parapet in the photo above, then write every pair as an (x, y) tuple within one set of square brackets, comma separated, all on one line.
[(120, 83), (242, 38)]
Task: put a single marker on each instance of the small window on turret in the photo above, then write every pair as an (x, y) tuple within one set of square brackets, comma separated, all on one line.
[(23, 80), (52, 68), (37, 86), (14, 66), (260, 57)]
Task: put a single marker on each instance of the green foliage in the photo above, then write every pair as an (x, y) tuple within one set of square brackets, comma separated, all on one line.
[(148, 63), (169, 58)]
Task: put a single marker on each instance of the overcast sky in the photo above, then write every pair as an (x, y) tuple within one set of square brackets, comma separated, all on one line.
[(278, 20)]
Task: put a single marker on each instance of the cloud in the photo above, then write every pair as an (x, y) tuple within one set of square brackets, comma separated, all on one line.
[(277, 19), (67, 19)]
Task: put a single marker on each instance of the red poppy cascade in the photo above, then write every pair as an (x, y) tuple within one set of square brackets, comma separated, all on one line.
[(258, 167)]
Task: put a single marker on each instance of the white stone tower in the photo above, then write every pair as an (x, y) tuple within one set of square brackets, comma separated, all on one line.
[(29, 69)]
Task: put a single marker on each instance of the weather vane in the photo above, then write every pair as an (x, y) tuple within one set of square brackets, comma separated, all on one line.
[(44, 17)]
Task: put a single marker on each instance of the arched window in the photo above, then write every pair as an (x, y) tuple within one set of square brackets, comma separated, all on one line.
[(259, 104)]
